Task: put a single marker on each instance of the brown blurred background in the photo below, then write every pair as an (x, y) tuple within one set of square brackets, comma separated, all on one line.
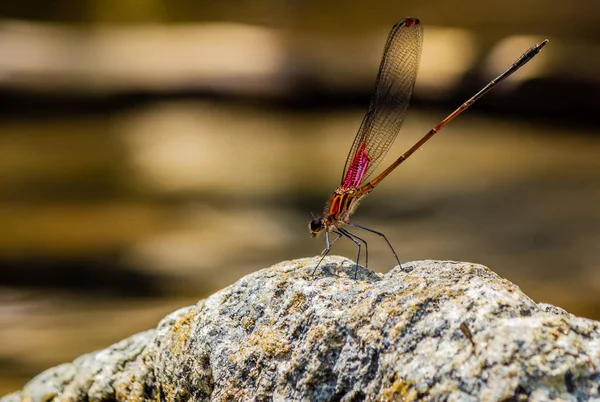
[(154, 151)]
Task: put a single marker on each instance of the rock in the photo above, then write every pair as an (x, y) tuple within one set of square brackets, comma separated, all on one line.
[(429, 330)]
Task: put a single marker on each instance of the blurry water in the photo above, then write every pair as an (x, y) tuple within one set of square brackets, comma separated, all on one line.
[(111, 221)]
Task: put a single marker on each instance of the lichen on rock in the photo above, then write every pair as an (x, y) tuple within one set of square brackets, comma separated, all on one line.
[(427, 330)]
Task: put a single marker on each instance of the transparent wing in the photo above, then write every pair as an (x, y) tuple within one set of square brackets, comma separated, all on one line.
[(393, 89)]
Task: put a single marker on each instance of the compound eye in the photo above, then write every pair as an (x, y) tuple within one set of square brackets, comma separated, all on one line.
[(316, 225)]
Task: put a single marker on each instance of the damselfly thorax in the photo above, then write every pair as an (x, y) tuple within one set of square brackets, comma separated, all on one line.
[(342, 204)]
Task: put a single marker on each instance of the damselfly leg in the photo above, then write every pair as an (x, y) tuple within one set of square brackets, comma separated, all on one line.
[(379, 234), (327, 248), (356, 240)]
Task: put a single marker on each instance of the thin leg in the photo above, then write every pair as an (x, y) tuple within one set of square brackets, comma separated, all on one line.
[(356, 240), (360, 239), (327, 248), (379, 234)]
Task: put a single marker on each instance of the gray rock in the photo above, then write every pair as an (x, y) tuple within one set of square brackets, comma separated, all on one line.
[(431, 330)]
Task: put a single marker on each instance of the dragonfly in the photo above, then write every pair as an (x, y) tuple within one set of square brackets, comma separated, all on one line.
[(380, 127)]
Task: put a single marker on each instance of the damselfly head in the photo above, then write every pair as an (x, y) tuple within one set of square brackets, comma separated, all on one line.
[(316, 226)]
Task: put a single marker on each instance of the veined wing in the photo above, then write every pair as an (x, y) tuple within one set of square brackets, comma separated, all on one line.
[(393, 89)]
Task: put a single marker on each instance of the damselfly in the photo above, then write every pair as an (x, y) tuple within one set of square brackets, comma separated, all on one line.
[(379, 128)]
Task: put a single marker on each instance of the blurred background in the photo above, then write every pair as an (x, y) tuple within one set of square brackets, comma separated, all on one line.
[(154, 151)]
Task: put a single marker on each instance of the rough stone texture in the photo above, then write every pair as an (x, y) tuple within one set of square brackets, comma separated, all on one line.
[(432, 330)]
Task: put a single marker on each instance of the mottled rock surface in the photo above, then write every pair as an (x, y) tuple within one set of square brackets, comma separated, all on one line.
[(431, 330)]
